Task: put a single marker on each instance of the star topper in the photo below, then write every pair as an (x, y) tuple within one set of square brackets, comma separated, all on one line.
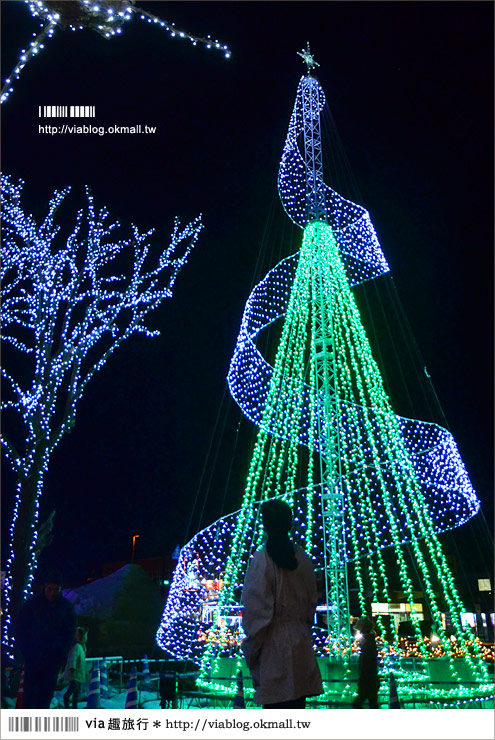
[(308, 58)]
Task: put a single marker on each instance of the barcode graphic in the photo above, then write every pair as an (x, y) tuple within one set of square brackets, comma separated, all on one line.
[(61, 111), (44, 724)]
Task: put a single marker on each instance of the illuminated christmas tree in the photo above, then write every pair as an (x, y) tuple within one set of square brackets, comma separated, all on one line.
[(362, 481), (70, 298)]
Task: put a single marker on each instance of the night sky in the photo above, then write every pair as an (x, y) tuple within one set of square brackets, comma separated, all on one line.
[(159, 449)]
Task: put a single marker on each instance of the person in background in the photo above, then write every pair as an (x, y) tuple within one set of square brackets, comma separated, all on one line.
[(75, 669), (369, 681), (44, 631), (279, 601)]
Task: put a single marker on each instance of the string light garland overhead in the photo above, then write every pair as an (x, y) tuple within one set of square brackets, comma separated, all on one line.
[(67, 306), (106, 17)]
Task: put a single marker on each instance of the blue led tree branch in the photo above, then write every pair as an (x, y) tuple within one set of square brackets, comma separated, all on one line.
[(68, 302)]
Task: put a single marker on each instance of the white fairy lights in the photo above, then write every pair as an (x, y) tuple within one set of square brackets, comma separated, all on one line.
[(107, 18), (35, 47), (65, 310)]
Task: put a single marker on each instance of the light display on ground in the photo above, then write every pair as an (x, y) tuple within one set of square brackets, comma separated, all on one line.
[(360, 478)]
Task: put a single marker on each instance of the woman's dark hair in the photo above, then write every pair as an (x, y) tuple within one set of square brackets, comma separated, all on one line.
[(276, 516), (83, 634)]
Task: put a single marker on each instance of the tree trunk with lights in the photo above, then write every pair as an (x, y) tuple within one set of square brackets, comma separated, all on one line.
[(24, 535)]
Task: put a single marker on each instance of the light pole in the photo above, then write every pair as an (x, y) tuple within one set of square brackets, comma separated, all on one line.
[(134, 538)]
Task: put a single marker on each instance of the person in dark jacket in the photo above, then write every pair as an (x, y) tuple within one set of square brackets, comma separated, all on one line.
[(369, 681), (44, 633)]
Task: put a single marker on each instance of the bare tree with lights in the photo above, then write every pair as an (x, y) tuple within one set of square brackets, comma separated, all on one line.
[(69, 300)]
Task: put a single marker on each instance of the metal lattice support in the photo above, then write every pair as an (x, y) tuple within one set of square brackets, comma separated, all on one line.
[(332, 504), (328, 422), (315, 190)]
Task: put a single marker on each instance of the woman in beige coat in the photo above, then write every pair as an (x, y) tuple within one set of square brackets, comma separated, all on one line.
[(279, 600)]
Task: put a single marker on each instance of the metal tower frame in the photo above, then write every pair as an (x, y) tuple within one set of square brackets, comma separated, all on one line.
[(324, 364), (315, 188)]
